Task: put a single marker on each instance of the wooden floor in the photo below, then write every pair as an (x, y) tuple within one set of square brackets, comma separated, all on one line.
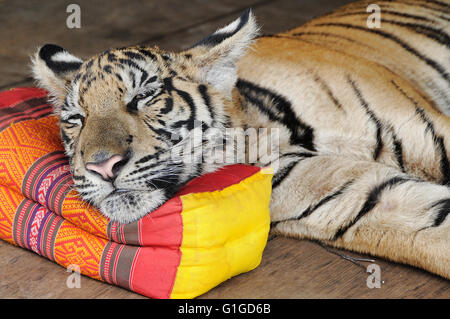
[(290, 268)]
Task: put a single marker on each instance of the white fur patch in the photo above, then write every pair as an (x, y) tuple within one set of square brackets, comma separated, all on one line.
[(221, 72), (65, 56)]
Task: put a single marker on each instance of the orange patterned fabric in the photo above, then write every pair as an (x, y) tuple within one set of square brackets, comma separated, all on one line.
[(40, 211)]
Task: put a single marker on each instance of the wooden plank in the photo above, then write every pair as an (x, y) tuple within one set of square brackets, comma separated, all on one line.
[(170, 24), (290, 269), (274, 17), (302, 269), (24, 274), (104, 24)]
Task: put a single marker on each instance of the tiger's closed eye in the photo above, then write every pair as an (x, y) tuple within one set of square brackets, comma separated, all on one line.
[(143, 95), (76, 119), (133, 105)]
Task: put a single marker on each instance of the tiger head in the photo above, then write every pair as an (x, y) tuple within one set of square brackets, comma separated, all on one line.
[(123, 112)]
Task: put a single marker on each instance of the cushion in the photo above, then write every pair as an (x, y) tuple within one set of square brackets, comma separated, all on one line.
[(214, 228)]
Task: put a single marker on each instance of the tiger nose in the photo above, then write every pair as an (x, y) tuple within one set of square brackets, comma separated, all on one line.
[(109, 168)]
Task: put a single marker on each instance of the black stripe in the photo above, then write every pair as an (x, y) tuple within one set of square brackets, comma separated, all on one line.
[(297, 154), (73, 117), (432, 33), (280, 110), (132, 64), (118, 76), (143, 169), (169, 87), (420, 4), (171, 190), (327, 89), (166, 57), (84, 186), (147, 52), (377, 122), (445, 166), (439, 3), (85, 193), (205, 96), (371, 201), (68, 103), (107, 69), (168, 106), (132, 106), (166, 134), (90, 64), (163, 182), (154, 98), (398, 151), (443, 18), (190, 102), (217, 38), (144, 76), (419, 111), (322, 202), (133, 55), (325, 34), (129, 63), (133, 79), (157, 168), (78, 178), (64, 137), (152, 79), (110, 56), (300, 155), (444, 209), (433, 64), (150, 157), (283, 173)]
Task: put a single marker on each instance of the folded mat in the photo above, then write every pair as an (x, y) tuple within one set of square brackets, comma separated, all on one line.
[(216, 226)]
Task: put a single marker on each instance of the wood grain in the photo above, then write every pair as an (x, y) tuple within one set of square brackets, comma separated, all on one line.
[(170, 24), (302, 269), (26, 25), (24, 274)]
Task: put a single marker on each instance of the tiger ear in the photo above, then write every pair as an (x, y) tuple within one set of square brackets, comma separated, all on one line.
[(216, 55), (53, 68)]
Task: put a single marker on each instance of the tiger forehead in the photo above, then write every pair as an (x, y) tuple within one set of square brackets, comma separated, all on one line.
[(110, 74), (114, 63)]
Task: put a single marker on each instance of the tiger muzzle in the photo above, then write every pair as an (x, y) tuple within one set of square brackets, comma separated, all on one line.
[(106, 151)]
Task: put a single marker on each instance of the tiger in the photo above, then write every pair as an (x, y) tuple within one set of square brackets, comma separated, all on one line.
[(361, 114)]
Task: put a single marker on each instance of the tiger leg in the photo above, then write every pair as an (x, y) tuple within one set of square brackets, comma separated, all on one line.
[(366, 207), (401, 130)]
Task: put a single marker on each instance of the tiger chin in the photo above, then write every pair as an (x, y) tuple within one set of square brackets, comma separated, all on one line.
[(364, 140)]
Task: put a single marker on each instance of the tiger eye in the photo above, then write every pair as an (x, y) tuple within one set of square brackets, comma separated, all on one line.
[(140, 96)]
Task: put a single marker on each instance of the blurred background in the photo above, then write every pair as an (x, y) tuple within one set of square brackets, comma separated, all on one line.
[(170, 24)]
